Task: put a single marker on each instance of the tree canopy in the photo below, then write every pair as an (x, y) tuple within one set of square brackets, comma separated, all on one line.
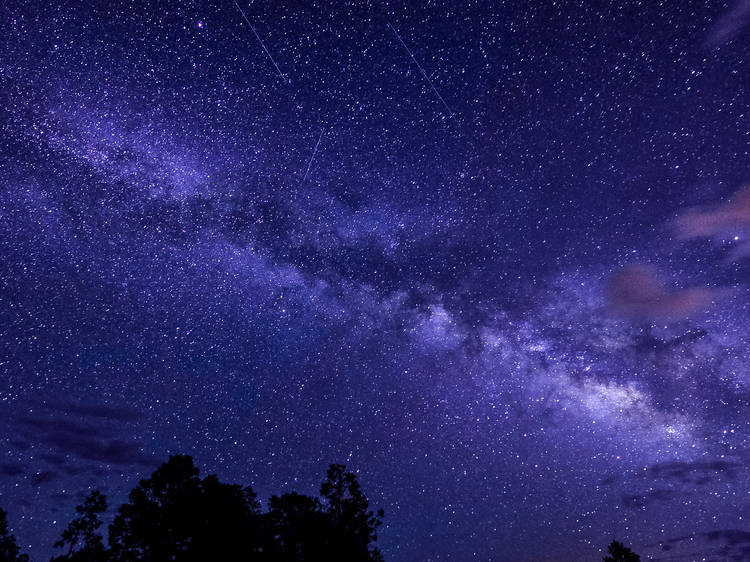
[(83, 542), (618, 552), (176, 515), (9, 551)]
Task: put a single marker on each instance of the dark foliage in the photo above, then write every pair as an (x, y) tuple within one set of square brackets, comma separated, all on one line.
[(338, 527), (84, 544), (618, 552), (353, 527), (8, 547), (299, 528), (175, 515)]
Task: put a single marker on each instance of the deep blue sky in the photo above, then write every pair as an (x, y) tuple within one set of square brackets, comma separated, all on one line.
[(273, 272)]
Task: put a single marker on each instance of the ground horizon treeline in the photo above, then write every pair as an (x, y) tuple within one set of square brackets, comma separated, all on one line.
[(175, 515)]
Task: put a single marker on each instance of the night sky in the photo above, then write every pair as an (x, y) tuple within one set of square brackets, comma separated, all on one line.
[(489, 255)]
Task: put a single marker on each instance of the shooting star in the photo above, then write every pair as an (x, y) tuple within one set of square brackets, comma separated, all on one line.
[(309, 164), (448, 109), (284, 78)]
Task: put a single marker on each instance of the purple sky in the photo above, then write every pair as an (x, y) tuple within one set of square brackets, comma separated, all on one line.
[(433, 241)]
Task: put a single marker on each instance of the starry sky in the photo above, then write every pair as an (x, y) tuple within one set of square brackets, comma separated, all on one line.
[(490, 255)]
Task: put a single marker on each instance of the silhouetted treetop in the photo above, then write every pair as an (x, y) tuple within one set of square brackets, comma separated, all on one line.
[(175, 515), (618, 552), (84, 544), (347, 510), (299, 528), (9, 551)]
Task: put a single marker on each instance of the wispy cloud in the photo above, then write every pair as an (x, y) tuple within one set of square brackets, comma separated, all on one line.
[(729, 220), (729, 25), (637, 292)]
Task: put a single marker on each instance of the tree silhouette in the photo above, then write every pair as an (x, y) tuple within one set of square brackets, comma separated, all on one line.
[(84, 543), (174, 515), (354, 527), (298, 528), (230, 523), (618, 552), (8, 547), (339, 527)]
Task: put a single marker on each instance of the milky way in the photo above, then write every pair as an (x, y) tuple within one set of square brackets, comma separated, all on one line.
[(522, 320)]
